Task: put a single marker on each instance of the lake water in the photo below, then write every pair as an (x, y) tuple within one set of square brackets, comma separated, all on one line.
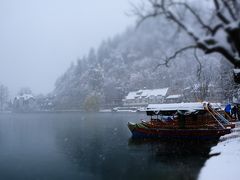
[(57, 146)]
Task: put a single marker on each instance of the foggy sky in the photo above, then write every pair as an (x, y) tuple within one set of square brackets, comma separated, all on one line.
[(40, 38)]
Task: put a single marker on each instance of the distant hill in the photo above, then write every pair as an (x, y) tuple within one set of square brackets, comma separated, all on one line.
[(128, 62)]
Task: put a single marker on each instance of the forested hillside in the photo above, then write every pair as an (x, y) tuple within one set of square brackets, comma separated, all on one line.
[(132, 61)]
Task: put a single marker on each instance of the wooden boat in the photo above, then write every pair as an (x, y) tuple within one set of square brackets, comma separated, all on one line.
[(182, 120)]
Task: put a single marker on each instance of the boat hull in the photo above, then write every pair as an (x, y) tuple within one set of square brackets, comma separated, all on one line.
[(162, 133)]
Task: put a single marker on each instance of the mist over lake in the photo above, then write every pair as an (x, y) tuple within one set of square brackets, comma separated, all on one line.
[(88, 146), (126, 89)]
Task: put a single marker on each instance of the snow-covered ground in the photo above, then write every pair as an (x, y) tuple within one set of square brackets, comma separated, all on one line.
[(227, 164)]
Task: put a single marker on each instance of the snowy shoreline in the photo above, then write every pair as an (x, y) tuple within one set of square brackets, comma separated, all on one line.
[(227, 164)]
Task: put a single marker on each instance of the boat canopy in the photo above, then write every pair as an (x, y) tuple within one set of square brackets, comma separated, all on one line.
[(169, 109)]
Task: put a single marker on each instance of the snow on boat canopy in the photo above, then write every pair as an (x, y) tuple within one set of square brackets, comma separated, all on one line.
[(200, 120), (167, 109)]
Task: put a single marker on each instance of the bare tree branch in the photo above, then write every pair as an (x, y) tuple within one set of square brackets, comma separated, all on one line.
[(199, 70), (144, 17), (226, 3), (180, 51), (172, 17), (225, 11), (216, 28), (168, 59), (219, 14), (160, 9), (221, 50), (194, 14), (139, 11)]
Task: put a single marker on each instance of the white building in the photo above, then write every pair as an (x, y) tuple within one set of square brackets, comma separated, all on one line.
[(145, 97), (25, 102)]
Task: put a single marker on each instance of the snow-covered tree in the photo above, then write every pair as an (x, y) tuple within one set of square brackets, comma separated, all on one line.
[(127, 63), (213, 26), (92, 103), (3, 96), (96, 78)]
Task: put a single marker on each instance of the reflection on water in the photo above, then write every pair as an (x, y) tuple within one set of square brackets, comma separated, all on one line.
[(178, 159), (90, 146)]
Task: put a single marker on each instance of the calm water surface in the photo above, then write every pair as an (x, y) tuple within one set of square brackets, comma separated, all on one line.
[(56, 146)]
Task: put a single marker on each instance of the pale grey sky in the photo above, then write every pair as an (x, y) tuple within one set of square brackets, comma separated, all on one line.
[(40, 38)]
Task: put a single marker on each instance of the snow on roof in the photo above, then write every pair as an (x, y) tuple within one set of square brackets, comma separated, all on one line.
[(131, 95), (174, 96), (157, 92), (181, 106), (147, 93), (236, 71), (25, 96)]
